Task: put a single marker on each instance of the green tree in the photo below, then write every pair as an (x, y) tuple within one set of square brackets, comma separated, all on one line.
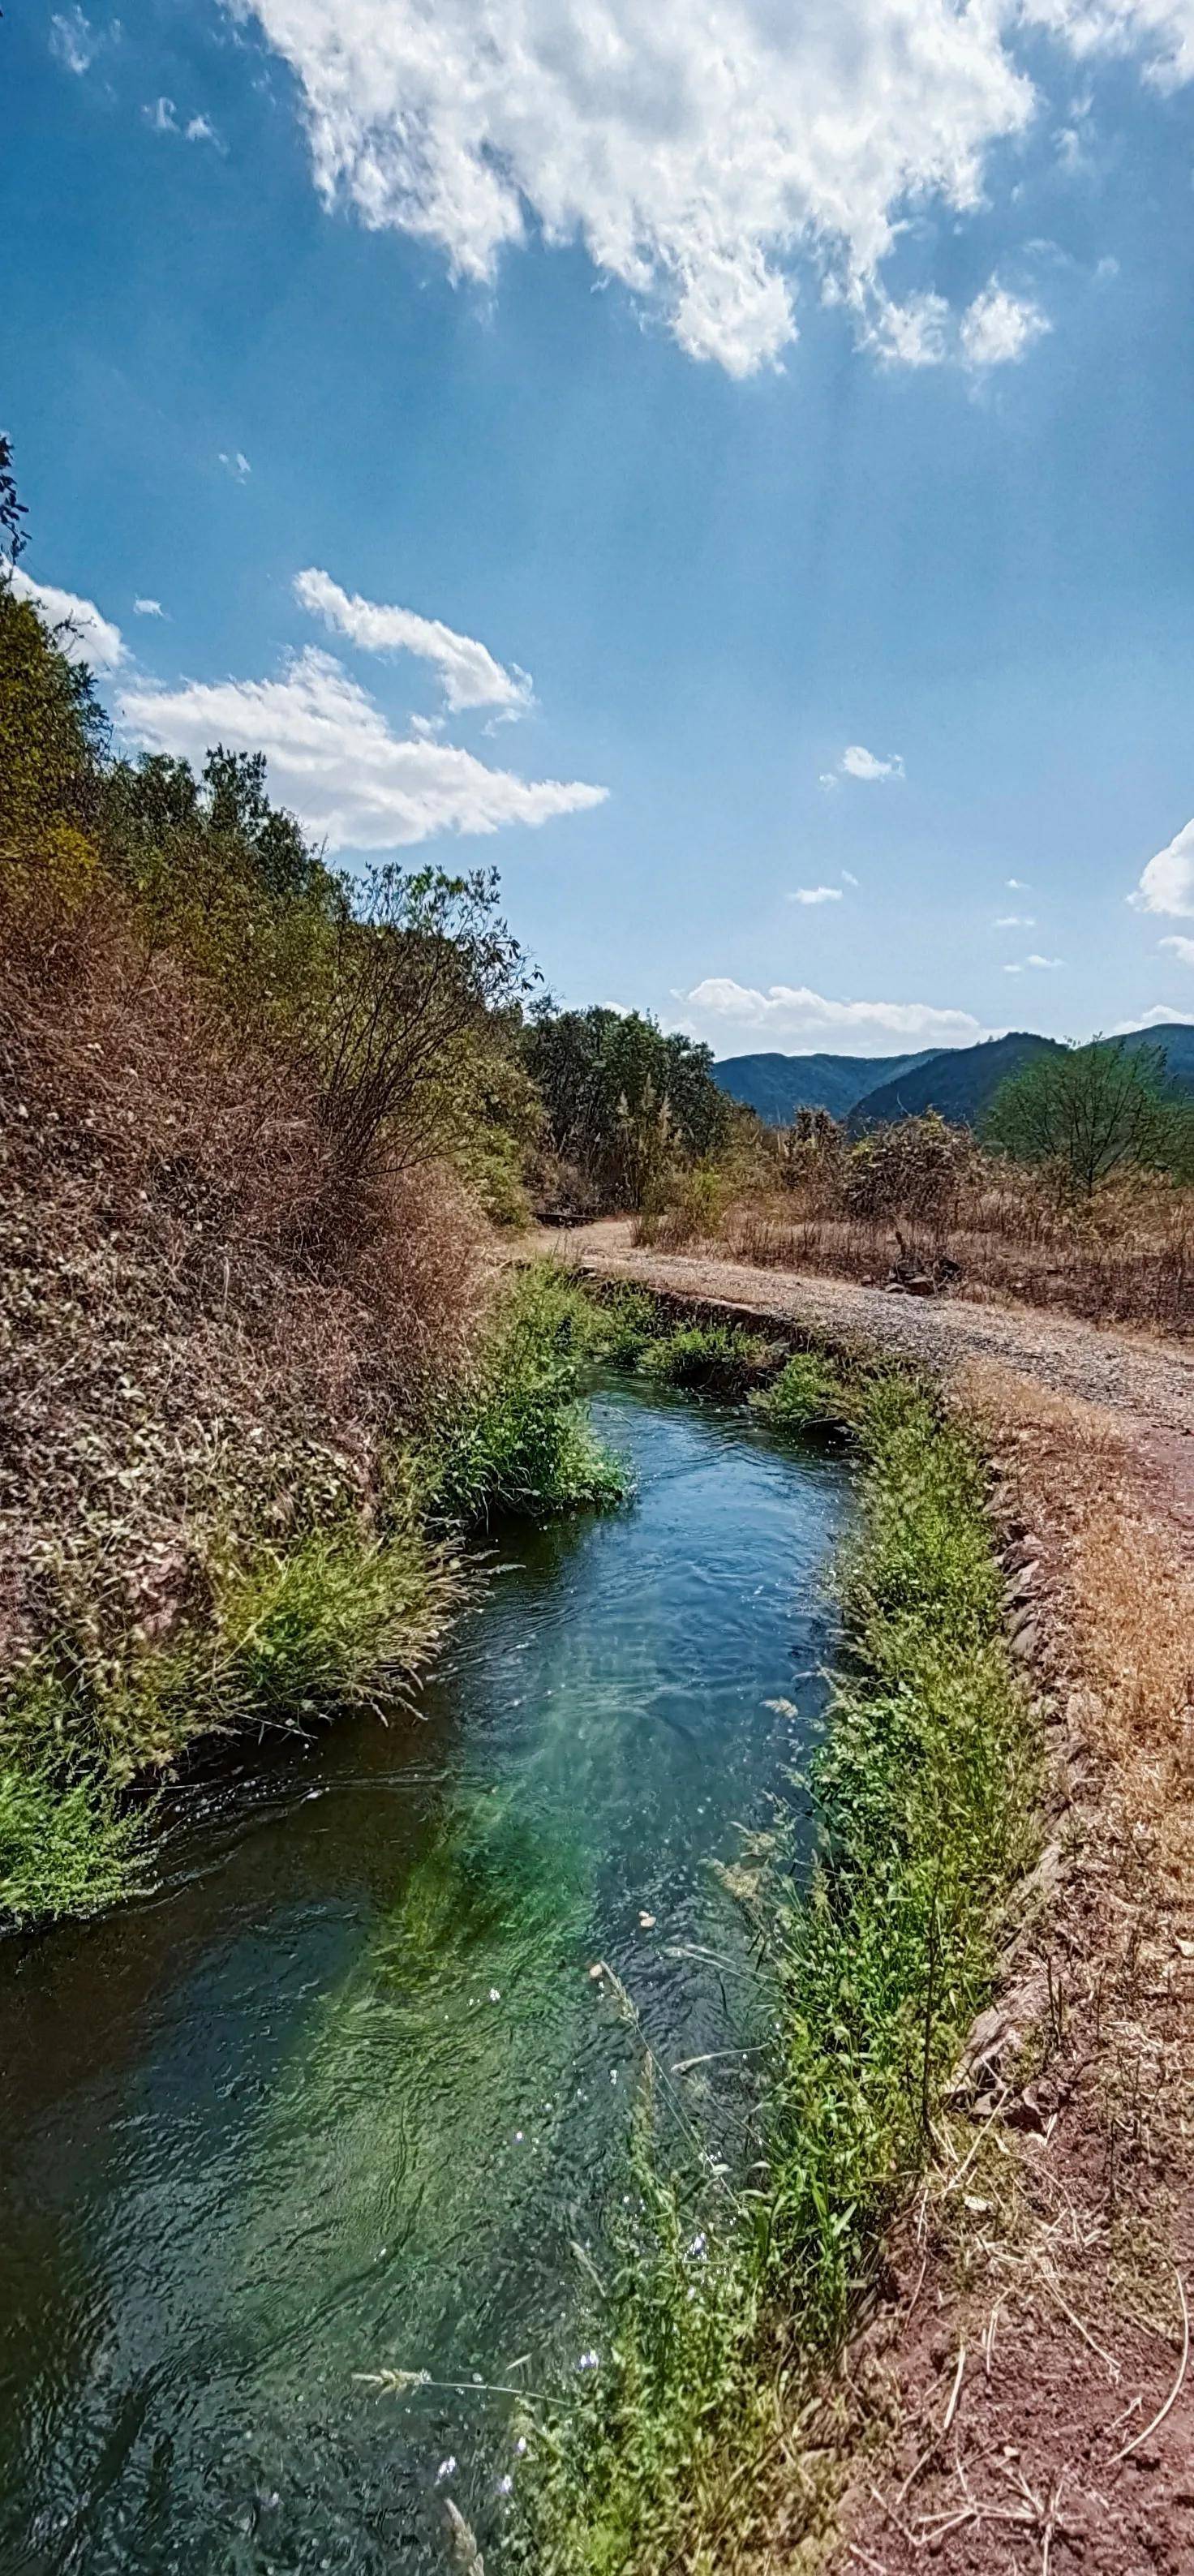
[(623, 1101), (1092, 1111)]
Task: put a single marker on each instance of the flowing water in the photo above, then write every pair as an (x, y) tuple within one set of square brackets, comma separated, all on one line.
[(340, 2096)]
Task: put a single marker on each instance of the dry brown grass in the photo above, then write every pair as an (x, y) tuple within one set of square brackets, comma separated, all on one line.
[(930, 1202), (182, 1350)]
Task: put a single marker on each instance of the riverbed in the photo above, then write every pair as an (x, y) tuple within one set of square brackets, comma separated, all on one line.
[(342, 2095)]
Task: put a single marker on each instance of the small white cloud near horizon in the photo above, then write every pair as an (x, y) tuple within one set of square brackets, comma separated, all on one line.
[(236, 464), (718, 1005), (1156, 1017), (1016, 885), (999, 329), (815, 894), (1183, 948), (74, 42), (857, 762), (1033, 964), (335, 760), (470, 675), (148, 608), (1015, 921), (89, 638), (1167, 883)]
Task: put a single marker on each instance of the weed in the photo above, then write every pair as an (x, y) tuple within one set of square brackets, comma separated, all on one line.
[(722, 1357), (808, 1389), (512, 1435)]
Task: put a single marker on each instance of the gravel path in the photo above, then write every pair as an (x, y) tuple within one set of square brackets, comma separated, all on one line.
[(1150, 1380)]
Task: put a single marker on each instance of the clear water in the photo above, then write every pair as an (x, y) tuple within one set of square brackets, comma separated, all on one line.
[(341, 2095)]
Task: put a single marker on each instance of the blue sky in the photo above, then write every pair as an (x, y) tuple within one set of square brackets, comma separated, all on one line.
[(734, 452)]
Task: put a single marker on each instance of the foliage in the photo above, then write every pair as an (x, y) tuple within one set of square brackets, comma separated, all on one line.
[(808, 1389), (13, 538), (623, 1102), (721, 2301), (1090, 1111), (52, 738), (66, 1845), (511, 1435), (723, 1357)]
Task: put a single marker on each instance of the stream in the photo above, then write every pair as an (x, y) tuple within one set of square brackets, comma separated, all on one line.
[(342, 2093)]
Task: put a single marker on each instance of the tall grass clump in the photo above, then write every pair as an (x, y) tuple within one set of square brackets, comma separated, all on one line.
[(512, 1434), (722, 1357), (724, 2299)]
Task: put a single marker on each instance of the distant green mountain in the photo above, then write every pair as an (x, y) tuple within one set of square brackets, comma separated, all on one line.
[(961, 1083), (871, 1091), (776, 1086)]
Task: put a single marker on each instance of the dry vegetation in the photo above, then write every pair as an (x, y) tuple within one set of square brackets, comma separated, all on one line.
[(1025, 2398), (923, 1204)]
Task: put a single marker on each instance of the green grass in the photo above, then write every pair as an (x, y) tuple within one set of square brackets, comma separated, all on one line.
[(721, 1357), (721, 2303), (340, 1616), (808, 1389), (513, 1436)]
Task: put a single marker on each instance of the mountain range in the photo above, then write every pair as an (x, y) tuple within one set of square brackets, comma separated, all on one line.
[(871, 1091)]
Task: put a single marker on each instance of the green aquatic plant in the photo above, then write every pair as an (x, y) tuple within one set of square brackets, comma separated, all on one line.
[(722, 2301)]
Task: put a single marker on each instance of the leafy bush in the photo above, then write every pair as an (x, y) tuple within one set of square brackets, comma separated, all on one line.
[(808, 1389), (1092, 1111)]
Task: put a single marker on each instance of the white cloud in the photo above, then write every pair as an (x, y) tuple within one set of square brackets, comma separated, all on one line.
[(702, 154), (1183, 948), (148, 608), (73, 41), (92, 639), (1016, 921), (857, 762), (336, 761), (1034, 965), (1167, 883), (719, 1008), (998, 328), (1016, 885), (816, 894), (162, 115), (201, 130), (847, 879), (697, 153), (1154, 1018), (470, 675), (237, 465)]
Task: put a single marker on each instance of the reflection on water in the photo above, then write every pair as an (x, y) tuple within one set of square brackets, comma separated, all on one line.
[(341, 2096)]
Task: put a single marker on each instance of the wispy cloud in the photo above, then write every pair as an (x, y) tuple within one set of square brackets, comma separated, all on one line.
[(74, 42), (163, 116), (1016, 885), (1183, 948), (1167, 883), (334, 758), (815, 894), (1033, 965), (85, 636), (468, 671), (148, 608), (718, 1008), (236, 464), (1015, 921)]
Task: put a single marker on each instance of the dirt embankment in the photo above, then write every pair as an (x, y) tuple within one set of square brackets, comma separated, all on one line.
[(1022, 2396)]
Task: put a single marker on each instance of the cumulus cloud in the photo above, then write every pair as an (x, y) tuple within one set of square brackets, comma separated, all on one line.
[(336, 761), (73, 41), (1183, 948), (1167, 883), (697, 153), (998, 329), (857, 762), (719, 1008), (815, 894), (470, 675), (702, 155), (86, 636), (1033, 965)]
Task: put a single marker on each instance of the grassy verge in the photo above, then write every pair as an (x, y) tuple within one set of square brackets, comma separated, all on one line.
[(285, 1634), (721, 2303)]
